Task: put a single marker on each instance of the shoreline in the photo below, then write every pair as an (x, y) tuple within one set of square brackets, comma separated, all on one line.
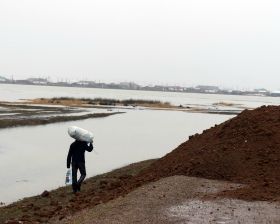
[(106, 103), (104, 196), (20, 114), (11, 123), (56, 203), (146, 90), (47, 111)]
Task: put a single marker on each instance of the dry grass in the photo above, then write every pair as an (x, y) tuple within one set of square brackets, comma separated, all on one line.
[(67, 101), (225, 104)]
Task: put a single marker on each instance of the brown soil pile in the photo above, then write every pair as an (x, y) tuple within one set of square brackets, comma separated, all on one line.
[(245, 149)]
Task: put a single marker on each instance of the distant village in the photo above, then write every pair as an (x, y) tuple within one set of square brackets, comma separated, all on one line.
[(133, 86)]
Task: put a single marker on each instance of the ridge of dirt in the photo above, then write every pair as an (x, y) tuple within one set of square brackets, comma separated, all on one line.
[(244, 149), (62, 202), (178, 199)]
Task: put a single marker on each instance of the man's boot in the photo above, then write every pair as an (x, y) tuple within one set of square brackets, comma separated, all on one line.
[(75, 188)]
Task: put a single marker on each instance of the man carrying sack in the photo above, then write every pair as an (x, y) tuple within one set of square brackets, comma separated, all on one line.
[(76, 155)]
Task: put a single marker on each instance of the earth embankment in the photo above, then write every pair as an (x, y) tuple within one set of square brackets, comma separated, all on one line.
[(245, 149)]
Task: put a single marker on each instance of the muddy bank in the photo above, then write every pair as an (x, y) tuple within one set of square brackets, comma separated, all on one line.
[(86, 102), (8, 123), (15, 114), (61, 202), (46, 111), (217, 108)]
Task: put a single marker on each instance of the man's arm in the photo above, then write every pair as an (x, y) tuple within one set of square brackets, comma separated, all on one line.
[(89, 147), (69, 157)]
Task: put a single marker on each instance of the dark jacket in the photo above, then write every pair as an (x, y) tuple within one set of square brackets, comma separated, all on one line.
[(76, 152)]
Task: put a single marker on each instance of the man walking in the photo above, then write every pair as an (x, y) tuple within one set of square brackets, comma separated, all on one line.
[(76, 155)]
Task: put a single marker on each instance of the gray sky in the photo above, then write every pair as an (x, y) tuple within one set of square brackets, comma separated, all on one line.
[(232, 43)]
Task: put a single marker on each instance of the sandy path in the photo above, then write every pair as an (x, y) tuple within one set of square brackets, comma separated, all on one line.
[(179, 199)]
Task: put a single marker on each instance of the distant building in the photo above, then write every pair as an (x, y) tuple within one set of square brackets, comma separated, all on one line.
[(3, 79), (128, 85), (60, 84), (38, 81), (175, 88), (207, 89), (275, 93), (261, 92), (159, 88), (85, 83), (23, 82)]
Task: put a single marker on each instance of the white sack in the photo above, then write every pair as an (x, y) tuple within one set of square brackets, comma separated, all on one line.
[(80, 134)]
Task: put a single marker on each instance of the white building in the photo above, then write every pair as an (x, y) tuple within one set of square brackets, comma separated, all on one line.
[(3, 79)]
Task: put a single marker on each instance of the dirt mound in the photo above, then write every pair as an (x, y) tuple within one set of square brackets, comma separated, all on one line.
[(245, 149)]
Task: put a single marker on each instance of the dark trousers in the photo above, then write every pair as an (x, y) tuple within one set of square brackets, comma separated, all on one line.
[(82, 169)]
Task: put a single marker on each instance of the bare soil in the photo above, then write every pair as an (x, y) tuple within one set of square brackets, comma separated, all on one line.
[(62, 202), (178, 199), (245, 149)]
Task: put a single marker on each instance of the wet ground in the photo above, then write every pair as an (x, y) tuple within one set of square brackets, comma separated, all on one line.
[(180, 199), (51, 110), (24, 111), (17, 114)]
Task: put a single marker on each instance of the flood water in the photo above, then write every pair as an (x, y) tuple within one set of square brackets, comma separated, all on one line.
[(17, 92), (33, 159)]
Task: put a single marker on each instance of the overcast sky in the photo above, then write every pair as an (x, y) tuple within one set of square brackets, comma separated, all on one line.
[(231, 43)]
